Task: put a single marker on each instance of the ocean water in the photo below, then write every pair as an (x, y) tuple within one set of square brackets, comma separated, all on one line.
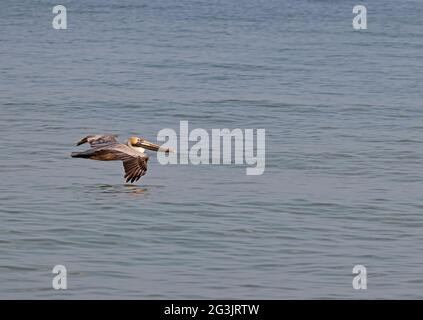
[(343, 113)]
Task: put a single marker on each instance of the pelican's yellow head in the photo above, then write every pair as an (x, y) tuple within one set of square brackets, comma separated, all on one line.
[(133, 141)]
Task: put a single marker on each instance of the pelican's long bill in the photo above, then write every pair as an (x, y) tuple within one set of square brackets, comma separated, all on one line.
[(152, 146)]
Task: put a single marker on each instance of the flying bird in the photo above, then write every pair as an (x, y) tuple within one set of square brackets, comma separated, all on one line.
[(132, 153)]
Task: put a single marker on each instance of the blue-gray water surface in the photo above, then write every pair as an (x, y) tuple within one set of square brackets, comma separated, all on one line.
[(343, 116)]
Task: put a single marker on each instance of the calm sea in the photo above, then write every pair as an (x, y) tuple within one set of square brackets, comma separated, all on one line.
[(343, 113)]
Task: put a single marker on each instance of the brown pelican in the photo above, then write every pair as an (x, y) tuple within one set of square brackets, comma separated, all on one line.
[(107, 148)]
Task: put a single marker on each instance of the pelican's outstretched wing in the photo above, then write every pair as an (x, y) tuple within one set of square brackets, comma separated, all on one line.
[(98, 139), (134, 163), (135, 168)]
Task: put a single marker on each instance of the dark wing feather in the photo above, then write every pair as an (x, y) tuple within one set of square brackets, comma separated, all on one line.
[(98, 140), (135, 168)]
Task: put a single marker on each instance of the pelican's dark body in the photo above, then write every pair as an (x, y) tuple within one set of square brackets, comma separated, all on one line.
[(98, 153), (106, 148)]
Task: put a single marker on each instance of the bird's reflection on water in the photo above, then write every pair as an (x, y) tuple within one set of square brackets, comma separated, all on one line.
[(135, 190), (123, 189)]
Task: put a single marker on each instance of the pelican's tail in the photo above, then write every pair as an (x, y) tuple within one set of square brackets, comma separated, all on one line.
[(80, 155)]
